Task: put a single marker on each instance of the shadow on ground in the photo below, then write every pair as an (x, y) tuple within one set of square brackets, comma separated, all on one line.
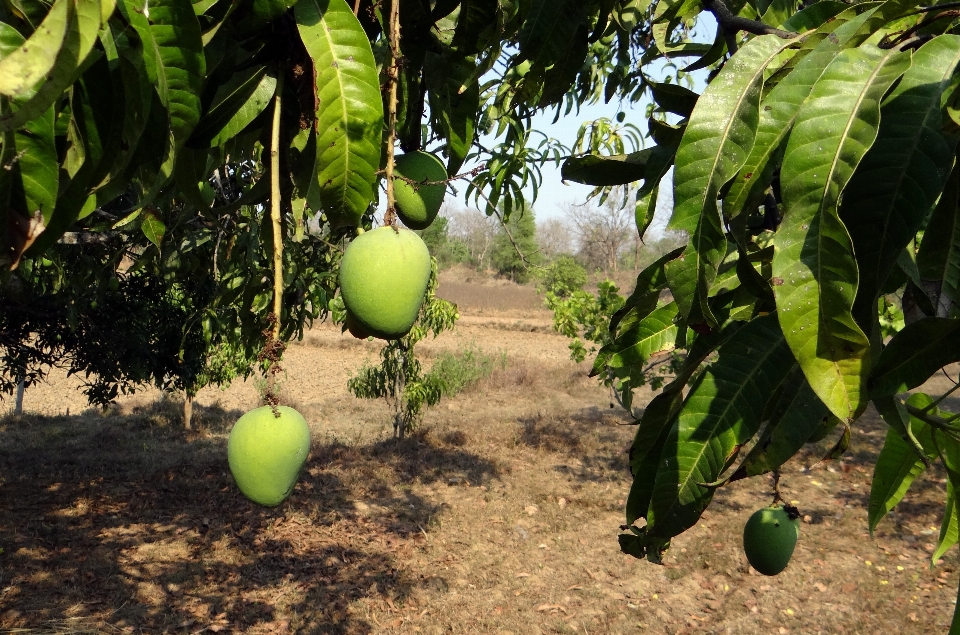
[(124, 521)]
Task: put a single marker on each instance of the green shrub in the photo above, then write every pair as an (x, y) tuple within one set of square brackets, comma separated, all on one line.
[(454, 372), (563, 277)]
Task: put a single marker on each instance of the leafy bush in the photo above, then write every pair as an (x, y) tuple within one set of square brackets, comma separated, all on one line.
[(455, 372), (563, 277)]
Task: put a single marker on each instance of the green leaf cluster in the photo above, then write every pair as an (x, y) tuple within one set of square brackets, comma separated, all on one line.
[(815, 181)]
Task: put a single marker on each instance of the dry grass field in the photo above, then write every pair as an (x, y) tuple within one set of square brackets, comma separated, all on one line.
[(499, 515)]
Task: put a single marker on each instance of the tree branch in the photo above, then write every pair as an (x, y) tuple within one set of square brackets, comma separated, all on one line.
[(732, 24)]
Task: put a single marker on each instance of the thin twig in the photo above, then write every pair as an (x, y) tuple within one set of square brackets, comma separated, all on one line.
[(906, 38), (933, 421), (731, 24), (389, 218), (940, 399)]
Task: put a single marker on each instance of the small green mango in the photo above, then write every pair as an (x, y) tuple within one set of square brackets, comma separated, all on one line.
[(769, 538), (418, 205)]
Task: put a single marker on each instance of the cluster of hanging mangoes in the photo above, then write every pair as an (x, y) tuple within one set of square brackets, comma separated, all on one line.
[(384, 275)]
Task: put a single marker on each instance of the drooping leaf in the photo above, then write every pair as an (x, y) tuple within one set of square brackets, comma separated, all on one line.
[(549, 31), (797, 414), (949, 526), (914, 355), (76, 47), (350, 111), (655, 424), (644, 211), (236, 104), (646, 292), (22, 68), (674, 98), (900, 178), (174, 57), (715, 144), (939, 255), (779, 109), (454, 94), (720, 414), (815, 275), (603, 170), (898, 466), (34, 174)]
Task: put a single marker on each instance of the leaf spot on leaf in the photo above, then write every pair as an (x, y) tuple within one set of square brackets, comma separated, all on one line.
[(776, 281)]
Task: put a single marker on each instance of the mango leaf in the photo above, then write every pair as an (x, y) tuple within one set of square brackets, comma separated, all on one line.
[(949, 451), (653, 334), (153, 228), (655, 424), (600, 170), (646, 292), (674, 98), (476, 23), (915, 354), (721, 413), (715, 144), (898, 466), (550, 31), (900, 178), (236, 104), (34, 174), (815, 274), (137, 101), (778, 111), (949, 526), (90, 126), (174, 57), (22, 68), (350, 111), (645, 210), (797, 414), (939, 255), (73, 52), (454, 94)]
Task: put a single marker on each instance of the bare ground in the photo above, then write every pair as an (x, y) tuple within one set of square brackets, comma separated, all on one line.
[(499, 516)]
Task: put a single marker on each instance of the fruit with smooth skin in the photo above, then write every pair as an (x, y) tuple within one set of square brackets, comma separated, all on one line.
[(770, 536), (266, 453), (354, 327), (383, 278), (417, 205)]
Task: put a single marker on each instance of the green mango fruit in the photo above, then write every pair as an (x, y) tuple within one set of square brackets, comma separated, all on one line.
[(266, 453), (355, 328), (383, 278), (770, 536), (417, 205)]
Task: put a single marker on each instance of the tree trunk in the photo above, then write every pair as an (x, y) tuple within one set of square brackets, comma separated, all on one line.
[(187, 411), (18, 405)]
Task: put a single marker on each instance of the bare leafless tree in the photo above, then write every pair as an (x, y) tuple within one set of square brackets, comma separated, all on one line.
[(602, 233), (475, 229), (554, 237)]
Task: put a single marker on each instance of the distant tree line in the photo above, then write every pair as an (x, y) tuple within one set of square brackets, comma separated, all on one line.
[(600, 239)]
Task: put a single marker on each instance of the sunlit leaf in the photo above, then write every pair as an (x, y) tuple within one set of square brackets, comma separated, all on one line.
[(350, 111), (815, 275), (715, 144)]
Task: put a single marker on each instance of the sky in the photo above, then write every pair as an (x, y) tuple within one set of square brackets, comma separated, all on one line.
[(554, 195)]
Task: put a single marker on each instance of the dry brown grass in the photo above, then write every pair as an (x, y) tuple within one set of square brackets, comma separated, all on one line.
[(499, 515)]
